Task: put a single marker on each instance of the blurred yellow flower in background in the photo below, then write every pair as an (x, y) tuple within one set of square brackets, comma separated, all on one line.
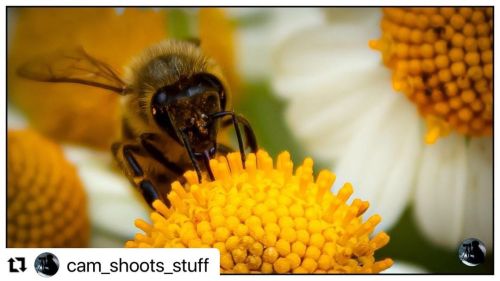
[(267, 219), (46, 202), (69, 112), (345, 110)]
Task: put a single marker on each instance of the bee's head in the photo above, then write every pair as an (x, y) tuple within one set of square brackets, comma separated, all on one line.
[(184, 111)]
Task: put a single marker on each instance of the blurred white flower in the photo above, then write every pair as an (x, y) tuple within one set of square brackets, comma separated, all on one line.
[(113, 203), (342, 107), (400, 267), (260, 30)]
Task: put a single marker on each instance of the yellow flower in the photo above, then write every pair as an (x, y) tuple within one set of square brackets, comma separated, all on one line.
[(442, 60), (70, 112), (46, 203), (267, 219)]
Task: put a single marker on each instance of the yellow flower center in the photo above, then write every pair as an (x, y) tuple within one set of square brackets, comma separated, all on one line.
[(266, 219), (442, 60), (46, 203)]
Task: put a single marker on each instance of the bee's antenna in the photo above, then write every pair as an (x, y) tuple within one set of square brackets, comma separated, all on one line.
[(191, 154)]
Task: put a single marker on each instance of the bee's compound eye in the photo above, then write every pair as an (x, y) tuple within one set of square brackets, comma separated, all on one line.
[(213, 82), (160, 99), (212, 99), (159, 110), (209, 80)]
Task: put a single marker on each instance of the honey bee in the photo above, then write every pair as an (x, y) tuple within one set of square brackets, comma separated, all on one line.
[(174, 101)]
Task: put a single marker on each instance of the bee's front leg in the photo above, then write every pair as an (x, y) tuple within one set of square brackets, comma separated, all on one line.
[(126, 154), (147, 141), (236, 120)]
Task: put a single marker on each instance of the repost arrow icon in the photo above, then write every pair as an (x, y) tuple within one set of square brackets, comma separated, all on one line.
[(23, 267), (11, 265)]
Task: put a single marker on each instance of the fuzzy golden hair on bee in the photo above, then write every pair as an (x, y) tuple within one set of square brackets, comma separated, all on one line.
[(164, 64), (168, 61)]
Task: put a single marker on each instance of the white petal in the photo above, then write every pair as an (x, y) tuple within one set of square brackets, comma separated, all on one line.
[(256, 42), (365, 16), (311, 67), (326, 124), (338, 54), (478, 209), (440, 195), (401, 267), (331, 79), (101, 239), (382, 157), (113, 204)]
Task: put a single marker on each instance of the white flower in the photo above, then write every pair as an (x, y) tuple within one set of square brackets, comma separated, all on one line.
[(343, 108), (259, 32)]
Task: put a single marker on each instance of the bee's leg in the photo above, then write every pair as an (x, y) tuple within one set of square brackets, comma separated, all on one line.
[(147, 141), (206, 162), (251, 141), (249, 134), (126, 156), (191, 154)]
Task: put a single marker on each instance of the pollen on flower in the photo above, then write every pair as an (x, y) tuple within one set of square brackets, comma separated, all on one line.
[(46, 203), (442, 60), (267, 219)]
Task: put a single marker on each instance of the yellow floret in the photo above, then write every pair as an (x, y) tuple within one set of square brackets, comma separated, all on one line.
[(442, 61), (46, 202), (268, 219)]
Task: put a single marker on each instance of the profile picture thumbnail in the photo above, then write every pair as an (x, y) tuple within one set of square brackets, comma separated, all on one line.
[(472, 252), (46, 264)]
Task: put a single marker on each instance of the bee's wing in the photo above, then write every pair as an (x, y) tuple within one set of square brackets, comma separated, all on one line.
[(73, 66)]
